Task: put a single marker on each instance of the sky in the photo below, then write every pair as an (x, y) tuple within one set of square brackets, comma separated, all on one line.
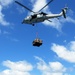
[(56, 56)]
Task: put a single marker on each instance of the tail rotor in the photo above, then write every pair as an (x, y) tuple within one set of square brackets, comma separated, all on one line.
[(64, 10)]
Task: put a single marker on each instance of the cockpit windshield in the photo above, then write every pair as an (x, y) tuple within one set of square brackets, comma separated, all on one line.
[(27, 17)]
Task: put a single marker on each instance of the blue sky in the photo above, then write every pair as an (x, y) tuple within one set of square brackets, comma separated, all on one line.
[(17, 55)]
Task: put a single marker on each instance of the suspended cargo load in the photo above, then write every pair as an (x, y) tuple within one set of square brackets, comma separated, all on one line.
[(37, 42)]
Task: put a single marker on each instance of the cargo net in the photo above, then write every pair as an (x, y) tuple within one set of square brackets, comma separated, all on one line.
[(37, 42)]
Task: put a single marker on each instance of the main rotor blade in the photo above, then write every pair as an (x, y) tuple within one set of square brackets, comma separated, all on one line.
[(46, 5), (24, 6)]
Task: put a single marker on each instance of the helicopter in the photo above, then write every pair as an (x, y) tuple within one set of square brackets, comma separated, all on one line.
[(41, 16)]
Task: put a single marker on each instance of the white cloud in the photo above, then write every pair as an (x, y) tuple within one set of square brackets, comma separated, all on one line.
[(2, 20), (55, 22), (3, 4), (14, 39), (37, 7), (26, 68), (65, 52), (11, 38), (6, 32), (50, 68), (69, 19), (57, 67), (17, 68)]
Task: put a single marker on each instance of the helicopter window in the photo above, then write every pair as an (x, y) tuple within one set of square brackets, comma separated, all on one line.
[(27, 17), (34, 16), (43, 13)]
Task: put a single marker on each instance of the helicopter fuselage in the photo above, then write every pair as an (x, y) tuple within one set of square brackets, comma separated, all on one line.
[(41, 16), (36, 18)]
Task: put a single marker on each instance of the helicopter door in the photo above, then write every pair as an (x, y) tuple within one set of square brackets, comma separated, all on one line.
[(34, 16)]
